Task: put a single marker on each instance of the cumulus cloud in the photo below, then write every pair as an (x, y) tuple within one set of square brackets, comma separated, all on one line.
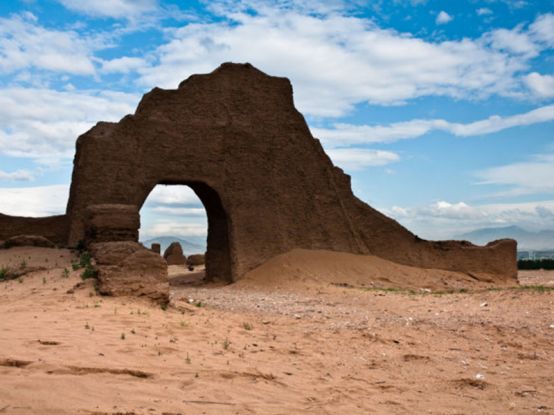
[(34, 201), (25, 44), (541, 85), (44, 124), (337, 61), (18, 175), (343, 134), (443, 18), (445, 220), (358, 159), (112, 8)]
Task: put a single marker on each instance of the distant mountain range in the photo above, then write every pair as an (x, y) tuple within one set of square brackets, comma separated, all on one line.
[(193, 245), (526, 240)]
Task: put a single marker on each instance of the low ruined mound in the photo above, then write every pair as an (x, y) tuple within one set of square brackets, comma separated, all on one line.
[(302, 268), (174, 254)]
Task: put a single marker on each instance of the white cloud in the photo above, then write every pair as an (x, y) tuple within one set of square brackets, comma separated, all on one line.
[(541, 85), (34, 201), (357, 159), (343, 134), (483, 11), (179, 211), (180, 196), (445, 220), (164, 228), (443, 18), (24, 44), (112, 8), (44, 124), (542, 29), (18, 175), (335, 62), (123, 65), (515, 41), (528, 177)]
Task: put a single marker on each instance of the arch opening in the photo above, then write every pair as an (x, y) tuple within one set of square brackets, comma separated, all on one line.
[(192, 214)]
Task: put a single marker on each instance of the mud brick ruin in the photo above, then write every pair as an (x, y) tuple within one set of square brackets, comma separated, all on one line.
[(235, 137)]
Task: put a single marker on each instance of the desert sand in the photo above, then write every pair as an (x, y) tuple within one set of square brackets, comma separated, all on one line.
[(323, 341)]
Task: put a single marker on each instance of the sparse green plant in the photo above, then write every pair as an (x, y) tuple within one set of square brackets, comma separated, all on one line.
[(44, 280), (184, 324), (199, 304), (84, 259), (65, 273), (23, 264), (89, 272), (20, 280), (3, 273), (164, 306), (188, 360), (247, 326), (226, 343)]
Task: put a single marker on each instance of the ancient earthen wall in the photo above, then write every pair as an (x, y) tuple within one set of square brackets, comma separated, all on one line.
[(53, 228), (235, 137)]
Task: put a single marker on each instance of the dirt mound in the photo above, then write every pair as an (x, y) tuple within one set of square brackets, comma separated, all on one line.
[(303, 268)]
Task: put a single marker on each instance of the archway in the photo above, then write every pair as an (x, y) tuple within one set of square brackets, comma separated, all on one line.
[(198, 217)]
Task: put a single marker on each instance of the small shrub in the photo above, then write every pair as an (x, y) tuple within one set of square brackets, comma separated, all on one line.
[(226, 344), (23, 264), (65, 273), (3, 273), (247, 326), (89, 272)]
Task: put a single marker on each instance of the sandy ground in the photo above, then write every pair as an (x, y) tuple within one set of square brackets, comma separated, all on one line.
[(250, 349)]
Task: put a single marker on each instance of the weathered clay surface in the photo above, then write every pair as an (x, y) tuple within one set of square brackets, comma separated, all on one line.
[(174, 254), (267, 185), (111, 222), (129, 269), (196, 259), (28, 240)]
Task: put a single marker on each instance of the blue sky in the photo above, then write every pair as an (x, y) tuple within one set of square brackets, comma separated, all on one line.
[(441, 111)]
